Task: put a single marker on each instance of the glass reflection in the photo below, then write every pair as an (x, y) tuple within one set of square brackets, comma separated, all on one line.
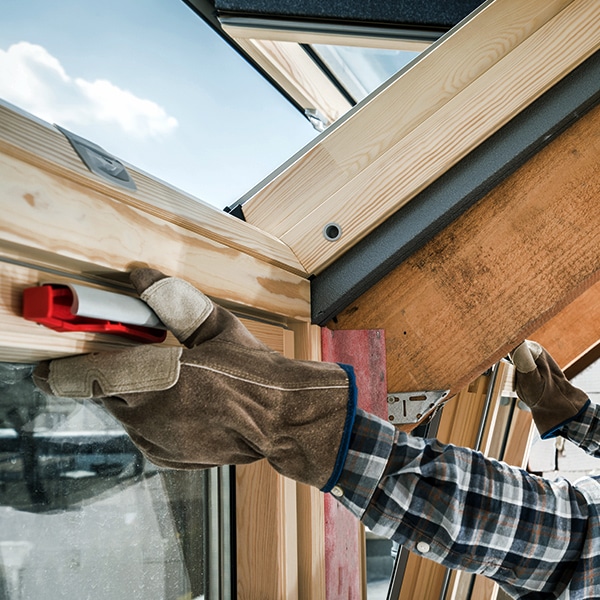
[(82, 513), (362, 70)]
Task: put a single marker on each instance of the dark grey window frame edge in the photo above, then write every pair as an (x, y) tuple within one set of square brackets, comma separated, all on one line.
[(433, 209), (381, 31)]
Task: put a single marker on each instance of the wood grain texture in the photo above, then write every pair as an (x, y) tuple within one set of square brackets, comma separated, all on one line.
[(496, 274), (310, 502), (311, 543), (370, 131), (462, 415), (574, 331), (298, 75), (37, 143), (519, 438), (266, 534), (62, 224), (448, 135)]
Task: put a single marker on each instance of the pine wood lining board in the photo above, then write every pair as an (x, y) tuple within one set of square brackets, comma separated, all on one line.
[(345, 150), (266, 534), (495, 275), (292, 68), (448, 135), (35, 142), (62, 221)]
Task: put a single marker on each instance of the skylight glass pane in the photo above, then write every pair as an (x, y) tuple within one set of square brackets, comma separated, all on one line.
[(152, 84), (362, 70)]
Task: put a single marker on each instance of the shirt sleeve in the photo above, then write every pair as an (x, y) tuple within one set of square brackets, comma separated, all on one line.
[(457, 507), (584, 430)]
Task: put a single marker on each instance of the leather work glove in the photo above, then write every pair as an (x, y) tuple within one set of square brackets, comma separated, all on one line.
[(541, 384), (224, 399)]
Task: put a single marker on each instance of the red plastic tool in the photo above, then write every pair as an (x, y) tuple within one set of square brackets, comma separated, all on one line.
[(50, 305)]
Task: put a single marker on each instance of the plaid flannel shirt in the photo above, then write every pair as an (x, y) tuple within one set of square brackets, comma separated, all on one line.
[(537, 538)]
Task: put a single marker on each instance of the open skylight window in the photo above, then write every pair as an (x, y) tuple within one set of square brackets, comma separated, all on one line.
[(153, 85)]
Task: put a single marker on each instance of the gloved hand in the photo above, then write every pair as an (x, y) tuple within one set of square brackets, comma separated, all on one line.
[(226, 399), (541, 384)]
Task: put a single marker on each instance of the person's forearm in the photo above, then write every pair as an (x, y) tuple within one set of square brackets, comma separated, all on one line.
[(456, 507), (585, 430)]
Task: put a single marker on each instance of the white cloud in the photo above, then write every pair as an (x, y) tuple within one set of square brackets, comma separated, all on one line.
[(33, 79)]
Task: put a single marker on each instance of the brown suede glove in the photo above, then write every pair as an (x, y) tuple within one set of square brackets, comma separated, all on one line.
[(226, 399), (541, 384)]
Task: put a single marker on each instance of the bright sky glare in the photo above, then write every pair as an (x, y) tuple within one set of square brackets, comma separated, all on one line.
[(151, 83)]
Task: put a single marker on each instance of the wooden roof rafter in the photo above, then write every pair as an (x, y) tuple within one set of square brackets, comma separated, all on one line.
[(526, 252), (457, 94)]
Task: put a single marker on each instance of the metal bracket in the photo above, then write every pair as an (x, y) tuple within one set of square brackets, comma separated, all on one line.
[(98, 161), (411, 407)]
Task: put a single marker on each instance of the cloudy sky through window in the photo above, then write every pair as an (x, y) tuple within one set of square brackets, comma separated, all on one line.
[(151, 83)]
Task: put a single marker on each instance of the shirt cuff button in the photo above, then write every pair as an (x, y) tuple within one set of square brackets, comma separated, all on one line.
[(337, 491), (423, 547)]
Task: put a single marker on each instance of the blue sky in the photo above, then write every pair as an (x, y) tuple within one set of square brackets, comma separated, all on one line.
[(149, 82)]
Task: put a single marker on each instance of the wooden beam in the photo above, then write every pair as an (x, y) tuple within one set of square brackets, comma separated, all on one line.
[(573, 334), (267, 562), (456, 95), (36, 143), (495, 275), (310, 501), (54, 222)]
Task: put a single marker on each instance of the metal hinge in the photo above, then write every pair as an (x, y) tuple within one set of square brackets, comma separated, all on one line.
[(412, 407)]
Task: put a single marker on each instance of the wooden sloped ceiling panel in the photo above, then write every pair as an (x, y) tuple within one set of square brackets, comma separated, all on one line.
[(495, 275), (460, 92), (57, 215), (35, 142)]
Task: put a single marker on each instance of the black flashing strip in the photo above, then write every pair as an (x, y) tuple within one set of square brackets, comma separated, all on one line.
[(236, 211), (454, 192)]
